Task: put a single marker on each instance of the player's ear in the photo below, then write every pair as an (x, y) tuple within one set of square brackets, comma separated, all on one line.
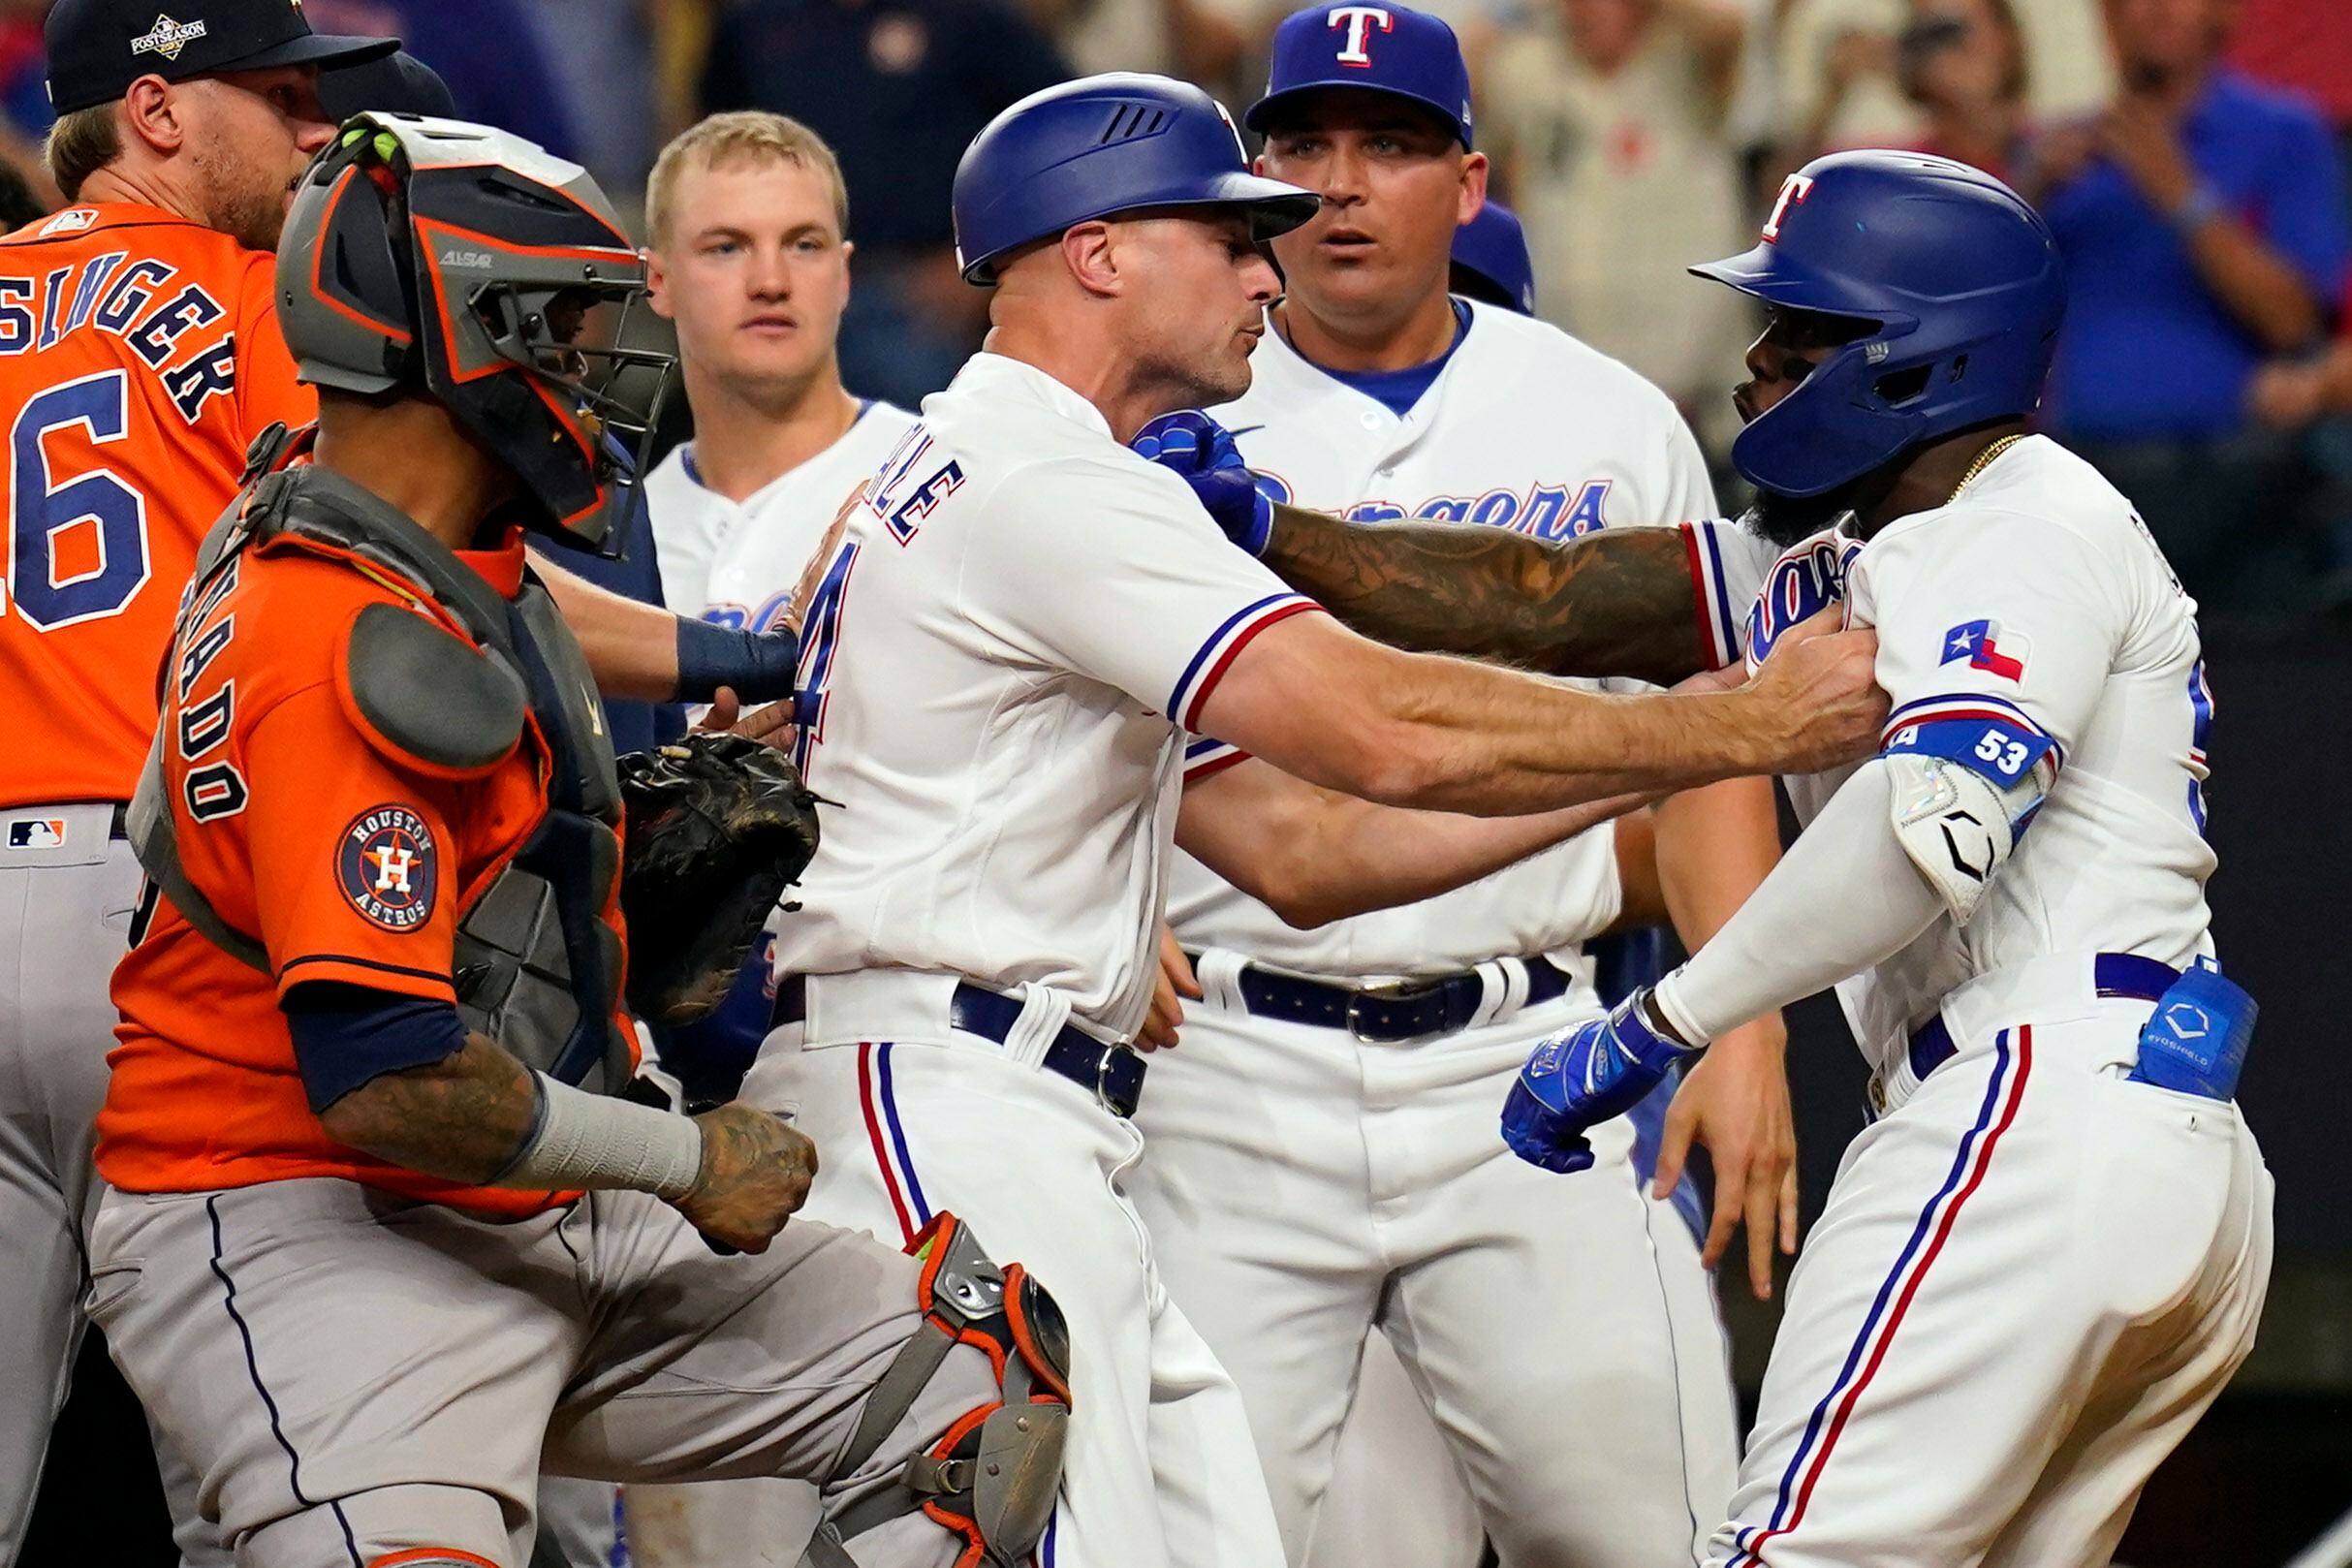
[(1091, 253), (155, 112), (657, 283), (1474, 171)]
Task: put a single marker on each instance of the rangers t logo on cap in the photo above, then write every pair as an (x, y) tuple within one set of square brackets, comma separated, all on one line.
[(1359, 22)]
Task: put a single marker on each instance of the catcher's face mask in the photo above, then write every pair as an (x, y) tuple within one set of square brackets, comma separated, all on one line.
[(460, 264)]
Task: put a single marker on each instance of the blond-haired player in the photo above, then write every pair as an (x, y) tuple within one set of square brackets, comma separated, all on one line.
[(747, 229)]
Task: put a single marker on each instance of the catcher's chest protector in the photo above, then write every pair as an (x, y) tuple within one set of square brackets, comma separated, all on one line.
[(537, 968)]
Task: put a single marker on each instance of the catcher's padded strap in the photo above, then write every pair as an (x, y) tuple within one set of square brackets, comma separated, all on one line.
[(895, 1395), (826, 1551)]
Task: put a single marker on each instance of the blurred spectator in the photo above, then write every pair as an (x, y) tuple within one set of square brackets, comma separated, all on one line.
[(2203, 221), (487, 51), (1837, 82), (599, 53), (1606, 121), (897, 88), (1962, 62), (1843, 58), (1178, 38)]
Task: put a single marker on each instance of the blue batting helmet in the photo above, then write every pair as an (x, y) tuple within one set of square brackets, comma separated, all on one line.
[(1119, 143), (1961, 281), (1490, 259)]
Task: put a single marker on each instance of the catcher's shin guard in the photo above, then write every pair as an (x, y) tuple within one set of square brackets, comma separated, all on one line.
[(993, 1475)]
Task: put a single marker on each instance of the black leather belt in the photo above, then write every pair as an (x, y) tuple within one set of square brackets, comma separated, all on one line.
[(2112, 974), (1408, 1010), (118, 827), (1113, 1074)]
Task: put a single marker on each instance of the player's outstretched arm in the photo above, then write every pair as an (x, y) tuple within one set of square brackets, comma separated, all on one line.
[(1313, 855), (1328, 707), (1620, 602), (645, 653), (479, 1116)]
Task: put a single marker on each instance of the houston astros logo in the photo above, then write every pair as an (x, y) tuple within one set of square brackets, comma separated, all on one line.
[(387, 866), (1793, 192), (1359, 20), (167, 38)]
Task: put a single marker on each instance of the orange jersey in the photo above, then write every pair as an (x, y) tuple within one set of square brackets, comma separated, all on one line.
[(140, 355), (348, 860)]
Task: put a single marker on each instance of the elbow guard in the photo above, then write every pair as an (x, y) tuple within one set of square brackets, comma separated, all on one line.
[(1963, 792)]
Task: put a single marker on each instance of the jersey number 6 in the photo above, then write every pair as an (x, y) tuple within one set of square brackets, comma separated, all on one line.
[(41, 511)]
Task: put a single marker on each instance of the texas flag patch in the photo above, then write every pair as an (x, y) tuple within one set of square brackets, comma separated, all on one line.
[(1984, 646)]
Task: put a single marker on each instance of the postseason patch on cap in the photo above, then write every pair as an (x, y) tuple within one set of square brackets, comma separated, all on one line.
[(167, 38), (389, 868)]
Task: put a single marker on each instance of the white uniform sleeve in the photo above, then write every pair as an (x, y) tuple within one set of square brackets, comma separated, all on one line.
[(1109, 567), (1727, 566), (1690, 494), (1844, 897), (1990, 617), (1987, 621)]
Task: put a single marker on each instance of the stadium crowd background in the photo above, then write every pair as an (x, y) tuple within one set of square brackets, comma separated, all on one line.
[(1635, 135)]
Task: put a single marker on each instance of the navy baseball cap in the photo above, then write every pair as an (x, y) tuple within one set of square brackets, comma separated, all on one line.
[(1491, 249), (1382, 47), (389, 85), (97, 48)]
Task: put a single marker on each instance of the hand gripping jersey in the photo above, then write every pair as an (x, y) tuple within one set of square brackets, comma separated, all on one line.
[(307, 818), (996, 675), (1524, 428), (139, 357), (736, 563), (2031, 615)]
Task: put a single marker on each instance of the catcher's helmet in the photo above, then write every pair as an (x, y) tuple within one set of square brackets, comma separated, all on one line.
[(1120, 142), (439, 260), (1961, 285)]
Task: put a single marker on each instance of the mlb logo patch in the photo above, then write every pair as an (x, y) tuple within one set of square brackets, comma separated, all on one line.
[(1984, 645), (36, 832), (71, 221)]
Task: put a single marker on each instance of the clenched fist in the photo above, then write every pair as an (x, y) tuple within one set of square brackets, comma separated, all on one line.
[(756, 1172)]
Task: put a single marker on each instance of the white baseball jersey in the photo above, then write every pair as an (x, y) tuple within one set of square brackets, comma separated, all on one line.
[(2027, 1229), (736, 562), (1524, 428), (2036, 606), (997, 674)]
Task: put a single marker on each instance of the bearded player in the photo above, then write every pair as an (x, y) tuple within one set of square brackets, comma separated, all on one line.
[(2047, 1255)]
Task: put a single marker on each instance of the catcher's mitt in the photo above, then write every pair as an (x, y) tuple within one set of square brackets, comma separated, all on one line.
[(718, 827)]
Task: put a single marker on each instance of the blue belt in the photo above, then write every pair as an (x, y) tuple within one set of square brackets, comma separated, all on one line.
[(1411, 1009), (1113, 1074), (2112, 974)]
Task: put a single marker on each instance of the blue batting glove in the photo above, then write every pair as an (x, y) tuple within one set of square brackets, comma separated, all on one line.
[(1201, 452), (1581, 1078)]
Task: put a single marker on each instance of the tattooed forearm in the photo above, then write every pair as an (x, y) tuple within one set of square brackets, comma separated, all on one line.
[(461, 1118), (1615, 603)]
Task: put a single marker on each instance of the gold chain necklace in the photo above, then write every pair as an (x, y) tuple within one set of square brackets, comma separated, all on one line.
[(1982, 458)]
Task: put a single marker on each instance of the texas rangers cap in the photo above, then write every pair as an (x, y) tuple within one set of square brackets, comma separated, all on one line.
[(388, 84), (97, 48), (1384, 47)]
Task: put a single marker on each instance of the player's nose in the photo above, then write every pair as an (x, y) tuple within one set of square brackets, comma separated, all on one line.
[(1261, 280)]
